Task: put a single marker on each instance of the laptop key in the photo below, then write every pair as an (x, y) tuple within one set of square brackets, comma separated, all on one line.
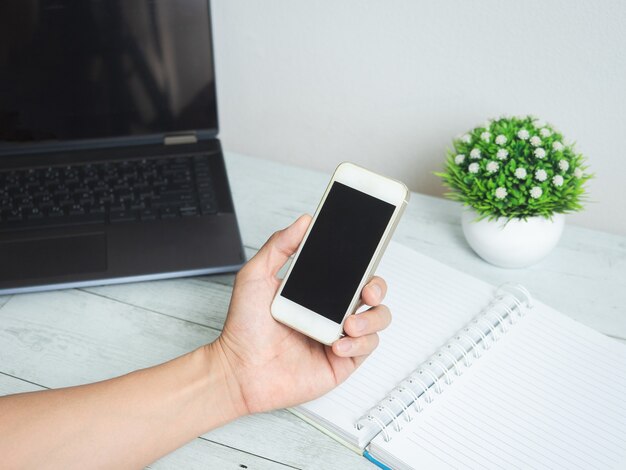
[(55, 211), (207, 208), (34, 213), (66, 202), (14, 215), (148, 214), (175, 199), (77, 209), (122, 216), (188, 210), (169, 212), (99, 209)]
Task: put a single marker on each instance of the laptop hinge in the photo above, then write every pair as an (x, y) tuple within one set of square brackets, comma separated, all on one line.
[(179, 139)]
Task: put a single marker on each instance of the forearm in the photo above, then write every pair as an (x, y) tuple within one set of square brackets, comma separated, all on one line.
[(126, 422)]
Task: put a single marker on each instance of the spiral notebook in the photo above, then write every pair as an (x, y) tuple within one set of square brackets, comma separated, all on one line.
[(473, 376)]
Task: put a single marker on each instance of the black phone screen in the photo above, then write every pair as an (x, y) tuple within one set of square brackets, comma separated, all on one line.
[(337, 252)]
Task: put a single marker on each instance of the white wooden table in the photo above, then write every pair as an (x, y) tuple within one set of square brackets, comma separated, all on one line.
[(62, 338)]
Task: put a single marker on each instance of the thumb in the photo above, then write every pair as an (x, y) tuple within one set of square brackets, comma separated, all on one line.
[(281, 245)]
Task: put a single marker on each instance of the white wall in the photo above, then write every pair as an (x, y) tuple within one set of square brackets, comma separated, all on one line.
[(387, 84)]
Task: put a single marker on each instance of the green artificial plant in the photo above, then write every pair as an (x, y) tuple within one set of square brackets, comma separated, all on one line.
[(516, 167)]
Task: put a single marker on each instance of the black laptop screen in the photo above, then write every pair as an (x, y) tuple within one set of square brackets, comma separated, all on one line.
[(83, 69)]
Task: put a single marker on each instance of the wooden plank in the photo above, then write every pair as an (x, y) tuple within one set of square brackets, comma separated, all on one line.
[(202, 299), (195, 300), (10, 385), (4, 299), (283, 437), (201, 454), (269, 196), (69, 337)]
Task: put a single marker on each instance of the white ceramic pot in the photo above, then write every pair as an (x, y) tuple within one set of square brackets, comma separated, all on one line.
[(514, 244)]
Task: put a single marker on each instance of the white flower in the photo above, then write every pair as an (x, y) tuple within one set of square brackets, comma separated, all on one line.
[(501, 192), (486, 136), (545, 132), (473, 167), (539, 152), (535, 141), (487, 124), (578, 173), (475, 154), (520, 173), (557, 180), (563, 165), (501, 140), (539, 123), (557, 146), (466, 138), (536, 192), (541, 175), (492, 167), (523, 134), (460, 158), (502, 154)]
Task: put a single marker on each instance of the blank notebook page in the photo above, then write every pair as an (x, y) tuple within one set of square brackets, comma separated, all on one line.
[(429, 302), (550, 394)]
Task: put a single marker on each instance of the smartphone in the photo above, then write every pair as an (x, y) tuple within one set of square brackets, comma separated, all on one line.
[(340, 252)]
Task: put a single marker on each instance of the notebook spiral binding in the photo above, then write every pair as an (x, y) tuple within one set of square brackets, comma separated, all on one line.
[(422, 386)]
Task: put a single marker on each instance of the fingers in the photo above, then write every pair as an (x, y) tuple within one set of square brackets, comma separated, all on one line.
[(371, 321), (362, 329), (281, 245), (374, 291), (354, 347)]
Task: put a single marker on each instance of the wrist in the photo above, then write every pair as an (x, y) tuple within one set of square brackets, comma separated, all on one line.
[(222, 370)]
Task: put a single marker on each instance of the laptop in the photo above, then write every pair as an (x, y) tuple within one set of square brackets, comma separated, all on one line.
[(110, 166)]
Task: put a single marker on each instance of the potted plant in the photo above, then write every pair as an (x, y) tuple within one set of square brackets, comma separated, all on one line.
[(517, 176)]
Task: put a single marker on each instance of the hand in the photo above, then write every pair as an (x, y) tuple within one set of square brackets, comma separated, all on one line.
[(269, 365)]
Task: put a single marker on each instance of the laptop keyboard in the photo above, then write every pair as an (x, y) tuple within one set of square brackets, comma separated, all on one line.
[(107, 192)]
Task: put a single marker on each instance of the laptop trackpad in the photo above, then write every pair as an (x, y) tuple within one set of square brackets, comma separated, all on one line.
[(49, 257)]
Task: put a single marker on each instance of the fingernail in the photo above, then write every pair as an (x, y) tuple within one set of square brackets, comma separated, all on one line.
[(360, 323), (344, 345), (377, 290)]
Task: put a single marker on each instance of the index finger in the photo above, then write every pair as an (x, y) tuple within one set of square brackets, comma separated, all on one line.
[(374, 291)]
